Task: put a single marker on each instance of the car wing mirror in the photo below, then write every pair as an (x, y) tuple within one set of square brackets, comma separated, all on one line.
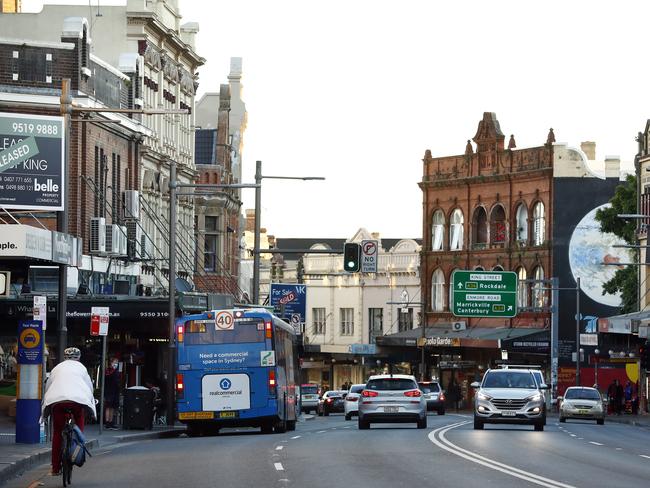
[(543, 386), (475, 384)]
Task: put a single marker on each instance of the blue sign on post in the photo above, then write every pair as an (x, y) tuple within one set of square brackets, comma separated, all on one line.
[(290, 302), (28, 402)]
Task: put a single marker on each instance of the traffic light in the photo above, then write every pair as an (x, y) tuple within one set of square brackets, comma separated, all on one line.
[(351, 257)]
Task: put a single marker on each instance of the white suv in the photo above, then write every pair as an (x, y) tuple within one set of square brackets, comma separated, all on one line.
[(509, 396)]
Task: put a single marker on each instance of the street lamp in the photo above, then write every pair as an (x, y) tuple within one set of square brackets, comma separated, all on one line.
[(597, 358), (258, 211)]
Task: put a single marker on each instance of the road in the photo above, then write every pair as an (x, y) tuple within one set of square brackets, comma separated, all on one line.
[(329, 451)]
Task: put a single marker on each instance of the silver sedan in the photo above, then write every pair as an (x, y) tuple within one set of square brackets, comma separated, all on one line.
[(392, 398), (581, 402)]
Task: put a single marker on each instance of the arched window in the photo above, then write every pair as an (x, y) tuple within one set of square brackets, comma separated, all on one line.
[(479, 268), (539, 224), (522, 224), (539, 294), (498, 225), (479, 228), (498, 267), (522, 292), (438, 291), (451, 295), (437, 230), (456, 230)]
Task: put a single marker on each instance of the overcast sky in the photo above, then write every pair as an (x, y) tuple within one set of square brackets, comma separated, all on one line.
[(357, 90)]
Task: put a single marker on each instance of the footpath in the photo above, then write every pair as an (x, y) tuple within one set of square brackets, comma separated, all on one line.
[(15, 459)]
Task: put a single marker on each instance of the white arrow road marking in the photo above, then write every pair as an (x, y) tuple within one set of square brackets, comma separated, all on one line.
[(279, 467), (644, 456), (438, 438), (279, 448)]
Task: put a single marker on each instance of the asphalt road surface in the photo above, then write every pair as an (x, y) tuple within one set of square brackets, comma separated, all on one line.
[(327, 452)]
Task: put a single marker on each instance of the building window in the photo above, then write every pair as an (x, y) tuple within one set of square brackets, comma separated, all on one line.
[(211, 243), (456, 230), (347, 321), (479, 228), (522, 292), (319, 320), (405, 319), (498, 225), (539, 294), (522, 224), (451, 293), (539, 224), (437, 230), (498, 267), (376, 323), (438, 291)]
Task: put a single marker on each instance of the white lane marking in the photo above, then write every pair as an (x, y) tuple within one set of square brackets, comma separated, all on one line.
[(596, 443), (279, 467), (644, 456), (321, 431), (296, 437), (581, 438), (572, 435), (445, 444), (279, 448), (619, 448)]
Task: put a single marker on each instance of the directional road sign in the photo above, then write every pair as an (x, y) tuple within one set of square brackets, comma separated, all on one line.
[(484, 293)]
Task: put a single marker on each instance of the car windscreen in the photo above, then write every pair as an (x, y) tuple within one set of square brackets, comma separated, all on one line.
[(509, 379), (357, 388), (385, 384), (332, 394), (581, 394), (309, 390), (429, 387), (201, 332)]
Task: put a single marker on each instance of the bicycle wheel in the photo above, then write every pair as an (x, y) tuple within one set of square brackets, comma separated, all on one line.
[(66, 464)]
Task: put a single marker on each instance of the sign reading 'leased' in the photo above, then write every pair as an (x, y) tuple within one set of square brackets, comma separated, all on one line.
[(484, 293)]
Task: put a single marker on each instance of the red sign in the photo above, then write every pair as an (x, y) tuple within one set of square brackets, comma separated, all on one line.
[(289, 297), (94, 325)]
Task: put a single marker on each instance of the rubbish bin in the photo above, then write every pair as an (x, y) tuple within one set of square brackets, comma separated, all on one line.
[(138, 408)]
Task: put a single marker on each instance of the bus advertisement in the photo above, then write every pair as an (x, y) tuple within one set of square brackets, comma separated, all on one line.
[(236, 368)]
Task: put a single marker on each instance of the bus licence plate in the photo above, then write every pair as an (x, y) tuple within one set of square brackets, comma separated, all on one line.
[(227, 415)]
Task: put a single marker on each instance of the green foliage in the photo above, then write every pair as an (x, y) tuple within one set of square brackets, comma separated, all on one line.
[(625, 280)]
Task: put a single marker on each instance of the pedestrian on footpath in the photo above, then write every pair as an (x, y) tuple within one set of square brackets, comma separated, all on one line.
[(68, 387), (111, 393), (619, 397)]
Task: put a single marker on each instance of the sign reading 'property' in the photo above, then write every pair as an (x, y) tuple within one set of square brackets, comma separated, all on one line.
[(31, 162)]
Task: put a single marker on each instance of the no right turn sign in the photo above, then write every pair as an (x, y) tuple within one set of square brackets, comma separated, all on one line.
[(369, 255)]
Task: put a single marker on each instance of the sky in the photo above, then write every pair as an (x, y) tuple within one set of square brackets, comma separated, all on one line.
[(356, 90)]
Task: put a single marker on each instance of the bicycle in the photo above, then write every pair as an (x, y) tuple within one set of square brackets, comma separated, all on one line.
[(66, 442)]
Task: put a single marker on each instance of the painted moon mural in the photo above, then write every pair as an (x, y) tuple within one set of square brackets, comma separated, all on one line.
[(588, 249)]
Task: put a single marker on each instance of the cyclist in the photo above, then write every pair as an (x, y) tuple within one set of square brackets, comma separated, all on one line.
[(68, 388)]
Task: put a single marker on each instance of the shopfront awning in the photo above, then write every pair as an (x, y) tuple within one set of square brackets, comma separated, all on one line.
[(630, 323), (481, 337)]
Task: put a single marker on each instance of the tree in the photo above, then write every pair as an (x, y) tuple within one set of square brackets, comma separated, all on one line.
[(625, 280)]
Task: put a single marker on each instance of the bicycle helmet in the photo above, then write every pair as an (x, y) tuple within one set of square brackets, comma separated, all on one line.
[(72, 353)]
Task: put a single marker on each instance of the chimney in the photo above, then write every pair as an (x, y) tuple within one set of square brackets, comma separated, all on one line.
[(589, 148), (375, 235), (612, 167)]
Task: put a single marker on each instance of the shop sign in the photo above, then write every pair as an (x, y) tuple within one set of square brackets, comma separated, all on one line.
[(439, 342), (25, 241), (367, 349), (64, 249), (531, 344), (615, 326)]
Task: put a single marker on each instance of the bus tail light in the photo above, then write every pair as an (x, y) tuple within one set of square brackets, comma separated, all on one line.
[(180, 385), (268, 326), (180, 333), (272, 382)]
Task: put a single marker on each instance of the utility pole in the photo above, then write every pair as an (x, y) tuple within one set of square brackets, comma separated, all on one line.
[(171, 359), (256, 242), (578, 331)]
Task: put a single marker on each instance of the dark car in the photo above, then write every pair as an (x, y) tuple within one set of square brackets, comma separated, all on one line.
[(331, 402), (434, 395)]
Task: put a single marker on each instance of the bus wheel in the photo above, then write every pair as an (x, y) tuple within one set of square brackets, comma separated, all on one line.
[(267, 428), (291, 425), (194, 430), (280, 427)]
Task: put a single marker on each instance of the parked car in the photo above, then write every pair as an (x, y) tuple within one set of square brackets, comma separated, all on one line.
[(434, 395), (309, 397), (351, 405), (581, 402), (392, 398), (330, 402), (509, 396)]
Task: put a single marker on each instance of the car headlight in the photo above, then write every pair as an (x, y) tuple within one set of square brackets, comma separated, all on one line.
[(482, 396), (536, 397)]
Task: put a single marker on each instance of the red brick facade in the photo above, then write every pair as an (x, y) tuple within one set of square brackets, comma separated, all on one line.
[(487, 209)]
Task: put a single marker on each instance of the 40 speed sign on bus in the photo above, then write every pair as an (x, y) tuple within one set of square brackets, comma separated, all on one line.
[(32, 152)]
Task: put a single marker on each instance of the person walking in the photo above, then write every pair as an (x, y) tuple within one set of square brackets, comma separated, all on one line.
[(68, 388), (111, 393)]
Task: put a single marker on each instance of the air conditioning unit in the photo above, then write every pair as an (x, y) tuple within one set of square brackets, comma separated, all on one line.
[(113, 239), (123, 248), (133, 240), (147, 247), (97, 235), (460, 325), (131, 205)]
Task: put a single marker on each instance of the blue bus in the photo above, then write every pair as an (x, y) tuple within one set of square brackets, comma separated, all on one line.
[(236, 368)]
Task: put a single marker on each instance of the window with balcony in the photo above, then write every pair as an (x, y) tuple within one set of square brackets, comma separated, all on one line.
[(347, 321), (456, 230), (521, 234), (498, 232), (437, 230), (319, 319), (438, 291), (539, 224), (479, 229)]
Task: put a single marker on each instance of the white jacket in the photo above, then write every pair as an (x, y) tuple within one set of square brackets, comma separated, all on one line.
[(69, 382)]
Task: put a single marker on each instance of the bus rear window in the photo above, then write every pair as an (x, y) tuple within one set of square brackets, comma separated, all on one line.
[(207, 333)]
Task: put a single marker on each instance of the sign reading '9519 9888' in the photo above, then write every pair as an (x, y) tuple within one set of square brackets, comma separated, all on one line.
[(32, 151)]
